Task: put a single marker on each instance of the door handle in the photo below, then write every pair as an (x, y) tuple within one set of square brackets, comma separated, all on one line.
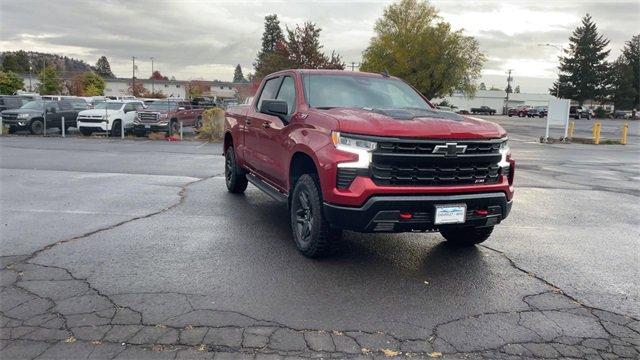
[(266, 125)]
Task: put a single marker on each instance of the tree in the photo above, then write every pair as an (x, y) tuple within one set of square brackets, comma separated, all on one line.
[(10, 63), (93, 84), (10, 82), (271, 38), (482, 86), (583, 68), (626, 79), (238, 77), (137, 89), (508, 89), (158, 76), (411, 41), (49, 81), (517, 89), (301, 49), (103, 68)]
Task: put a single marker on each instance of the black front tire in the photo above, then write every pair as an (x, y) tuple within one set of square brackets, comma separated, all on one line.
[(116, 128), (234, 177), (466, 236), (36, 127), (174, 128), (313, 235), (197, 125)]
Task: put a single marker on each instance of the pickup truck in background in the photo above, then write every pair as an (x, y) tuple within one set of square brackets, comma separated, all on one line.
[(520, 111), (484, 110), (368, 153), (110, 116), (167, 115)]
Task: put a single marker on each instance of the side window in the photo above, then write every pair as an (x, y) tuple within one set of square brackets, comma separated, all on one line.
[(288, 93), (129, 107), (65, 105), (269, 90), (138, 106)]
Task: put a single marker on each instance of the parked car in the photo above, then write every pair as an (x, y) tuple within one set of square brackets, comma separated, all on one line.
[(31, 116), (166, 115), (203, 101), (537, 111), (109, 116), (483, 110), (8, 102), (366, 152), (520, 111), (579, 112)]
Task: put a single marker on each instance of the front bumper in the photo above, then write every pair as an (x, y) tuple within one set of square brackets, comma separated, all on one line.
[(382, 213), (143, 128)]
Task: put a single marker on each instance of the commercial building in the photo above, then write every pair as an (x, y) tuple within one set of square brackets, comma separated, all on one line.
[(170, 88)]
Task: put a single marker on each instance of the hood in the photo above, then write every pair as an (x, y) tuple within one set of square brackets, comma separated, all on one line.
[(22, 111), (418, 125), (97, 112)]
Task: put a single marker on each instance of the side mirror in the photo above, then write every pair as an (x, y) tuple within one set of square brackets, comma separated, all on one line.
[(277, 108)]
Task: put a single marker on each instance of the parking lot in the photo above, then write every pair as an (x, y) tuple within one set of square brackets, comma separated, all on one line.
[(133, 249)]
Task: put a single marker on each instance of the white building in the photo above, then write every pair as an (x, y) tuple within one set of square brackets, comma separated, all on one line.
[(495, 99), (170, 88)]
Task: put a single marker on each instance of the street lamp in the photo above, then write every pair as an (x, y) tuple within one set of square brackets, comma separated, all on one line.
[(561, 49)]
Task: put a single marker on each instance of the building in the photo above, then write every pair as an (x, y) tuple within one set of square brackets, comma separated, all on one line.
[(217, 89), (170, 88), (495, 99)]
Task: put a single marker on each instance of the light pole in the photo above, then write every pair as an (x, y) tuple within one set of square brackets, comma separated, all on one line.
[(153, 80), (30, 69), (561, 49)]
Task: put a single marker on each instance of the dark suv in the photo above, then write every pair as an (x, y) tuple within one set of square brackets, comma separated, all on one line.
[(31, 116), (579, 112)]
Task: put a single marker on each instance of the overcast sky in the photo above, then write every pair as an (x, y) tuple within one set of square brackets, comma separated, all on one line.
[(205, 39)]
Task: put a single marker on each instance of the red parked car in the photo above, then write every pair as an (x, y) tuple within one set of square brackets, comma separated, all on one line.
[(367, 152), (166, 115)]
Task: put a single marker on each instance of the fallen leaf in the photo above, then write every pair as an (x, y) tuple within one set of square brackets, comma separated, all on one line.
[(70, 340), (96, 342), (365, 350), (336, 332), (161, 326), (201, 348), (189, 327), (426, 282), (435, 354), (390, 353)]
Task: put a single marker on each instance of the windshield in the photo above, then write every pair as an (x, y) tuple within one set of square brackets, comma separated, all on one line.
[(34, 105), (109, 105), (328, 91), (162, 105)]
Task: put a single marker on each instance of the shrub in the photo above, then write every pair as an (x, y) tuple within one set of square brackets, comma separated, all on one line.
[(600, 112), (212, 125)]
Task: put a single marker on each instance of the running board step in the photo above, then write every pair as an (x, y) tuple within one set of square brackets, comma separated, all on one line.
[(270, 190)]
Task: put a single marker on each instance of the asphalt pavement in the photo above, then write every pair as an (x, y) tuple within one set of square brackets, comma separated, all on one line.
[(134, 249)]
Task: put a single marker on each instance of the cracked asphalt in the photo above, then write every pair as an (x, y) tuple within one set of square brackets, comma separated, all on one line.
[(133, 249)]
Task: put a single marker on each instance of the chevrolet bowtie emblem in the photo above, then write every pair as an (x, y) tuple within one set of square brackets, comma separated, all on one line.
[(450, 149)]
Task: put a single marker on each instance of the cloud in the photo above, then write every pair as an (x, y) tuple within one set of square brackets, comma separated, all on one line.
[(205, 39)]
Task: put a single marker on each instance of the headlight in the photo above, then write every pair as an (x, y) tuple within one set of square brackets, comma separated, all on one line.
[(162, 116), (23, 116), (362, 148), (505, 151)]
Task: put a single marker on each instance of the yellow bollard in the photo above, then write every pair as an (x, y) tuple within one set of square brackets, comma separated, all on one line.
[(572, 125), (597, 127), (625, 133)]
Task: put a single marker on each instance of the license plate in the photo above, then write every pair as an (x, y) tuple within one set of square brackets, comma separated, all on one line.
[(147, 126), (450, 214)]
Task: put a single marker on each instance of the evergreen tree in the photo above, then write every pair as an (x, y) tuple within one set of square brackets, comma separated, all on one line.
[(49, 81), (103, 68), (517, 89), (624, 78), (631, 53), (271, 39), (583, 69), (238, 77), (10, 63)]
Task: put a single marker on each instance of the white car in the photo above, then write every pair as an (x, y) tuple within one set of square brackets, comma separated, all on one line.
[(109, 117)]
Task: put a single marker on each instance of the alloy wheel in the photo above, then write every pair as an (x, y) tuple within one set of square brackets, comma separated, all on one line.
[(304, 217)]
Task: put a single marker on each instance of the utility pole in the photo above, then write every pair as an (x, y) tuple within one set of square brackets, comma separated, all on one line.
[(509, 78), (353, 65), (133, 76), (30, 69), (153, 80)]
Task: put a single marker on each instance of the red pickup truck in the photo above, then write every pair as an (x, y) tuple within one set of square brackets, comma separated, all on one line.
[(166, 115), (367, 152)]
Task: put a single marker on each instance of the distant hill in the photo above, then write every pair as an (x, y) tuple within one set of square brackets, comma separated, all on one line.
[(66, 67)]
